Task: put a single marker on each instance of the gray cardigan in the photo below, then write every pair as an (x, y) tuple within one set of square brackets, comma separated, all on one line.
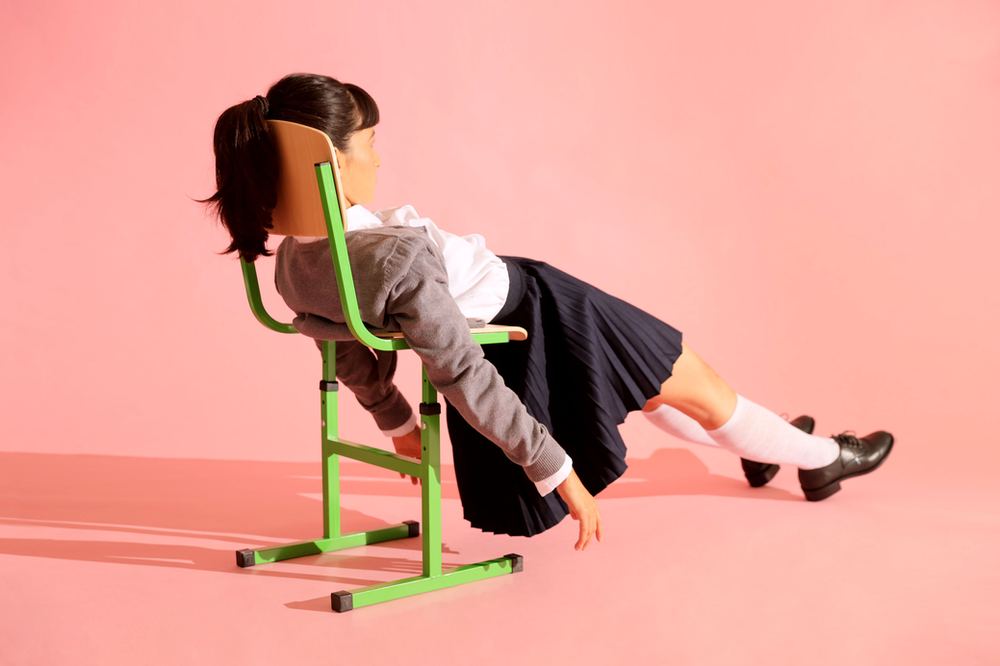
[(402, 285)]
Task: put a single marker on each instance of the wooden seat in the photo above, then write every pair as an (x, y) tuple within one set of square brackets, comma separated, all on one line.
[(310, 203)]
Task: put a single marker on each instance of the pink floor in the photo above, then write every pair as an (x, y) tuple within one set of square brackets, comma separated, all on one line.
[(127, 560), (808, 190)]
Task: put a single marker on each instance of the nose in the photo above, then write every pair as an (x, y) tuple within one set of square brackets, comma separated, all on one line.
[(378, 162)]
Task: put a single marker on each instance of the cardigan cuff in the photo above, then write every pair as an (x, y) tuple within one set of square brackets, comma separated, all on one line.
[(392, 413), (404, 429), (547, 485), (549, 461)]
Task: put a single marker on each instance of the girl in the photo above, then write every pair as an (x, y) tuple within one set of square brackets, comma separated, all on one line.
[(528, 418)]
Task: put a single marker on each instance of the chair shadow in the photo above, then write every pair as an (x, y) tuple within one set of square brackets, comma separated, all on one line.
[(228, 501), (680, 472), (238, 502)]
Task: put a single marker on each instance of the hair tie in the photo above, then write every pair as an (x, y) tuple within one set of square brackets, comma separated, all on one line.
[(263, 103)]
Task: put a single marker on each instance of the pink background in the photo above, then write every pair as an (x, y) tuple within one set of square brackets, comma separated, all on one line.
[(807, 190)]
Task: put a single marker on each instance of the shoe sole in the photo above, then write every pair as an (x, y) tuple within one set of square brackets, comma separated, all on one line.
[(834, 487), (762, 477)]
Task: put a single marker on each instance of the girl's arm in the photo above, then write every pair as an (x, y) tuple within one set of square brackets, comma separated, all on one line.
[(369, 376), (437, 331)]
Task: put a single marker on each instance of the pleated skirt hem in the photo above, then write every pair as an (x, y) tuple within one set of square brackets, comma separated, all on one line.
[(589, 360)]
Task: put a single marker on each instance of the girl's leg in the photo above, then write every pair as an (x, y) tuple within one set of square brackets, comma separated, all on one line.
[(735, 423), (680, 425), (697, 391), (676, 423)]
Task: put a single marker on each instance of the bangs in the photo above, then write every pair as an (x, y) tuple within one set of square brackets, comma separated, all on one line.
[(366, 107)]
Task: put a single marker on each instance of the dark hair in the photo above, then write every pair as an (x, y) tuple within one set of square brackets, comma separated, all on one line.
[(246, 164)]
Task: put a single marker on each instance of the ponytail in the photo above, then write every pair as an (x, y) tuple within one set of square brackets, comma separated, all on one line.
[(246, 175), (246, 163)]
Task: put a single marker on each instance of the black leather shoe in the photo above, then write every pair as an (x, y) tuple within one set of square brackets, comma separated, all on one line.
[(857, 457), (760, 473)]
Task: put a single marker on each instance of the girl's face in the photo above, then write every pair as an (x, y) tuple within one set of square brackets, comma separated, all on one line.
[(357, 167)]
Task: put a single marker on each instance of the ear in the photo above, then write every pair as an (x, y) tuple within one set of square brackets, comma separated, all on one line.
[(339, 156)]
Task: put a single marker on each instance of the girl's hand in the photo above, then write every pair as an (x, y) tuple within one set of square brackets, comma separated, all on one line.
[(408, 445), (582, 507)]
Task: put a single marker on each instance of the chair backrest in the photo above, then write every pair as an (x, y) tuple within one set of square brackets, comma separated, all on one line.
[(300, 211), (311, 203)]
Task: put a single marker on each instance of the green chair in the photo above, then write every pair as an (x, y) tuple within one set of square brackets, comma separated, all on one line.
[(306, 159)]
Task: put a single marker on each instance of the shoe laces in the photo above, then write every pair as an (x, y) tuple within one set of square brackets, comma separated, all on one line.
[(849, 439)]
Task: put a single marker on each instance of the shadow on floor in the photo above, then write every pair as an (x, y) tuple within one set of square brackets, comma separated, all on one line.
[(245, 503), (680, 472), (250, 504)]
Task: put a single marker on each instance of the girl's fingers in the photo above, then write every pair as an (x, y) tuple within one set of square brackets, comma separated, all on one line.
[(586, 532)]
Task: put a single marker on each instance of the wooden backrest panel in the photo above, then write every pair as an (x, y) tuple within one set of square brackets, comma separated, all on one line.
[(299, 211)]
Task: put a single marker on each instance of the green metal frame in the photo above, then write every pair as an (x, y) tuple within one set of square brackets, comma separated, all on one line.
[(427, 469)]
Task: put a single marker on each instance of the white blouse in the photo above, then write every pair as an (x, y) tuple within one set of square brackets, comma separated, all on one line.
[(477, 278)]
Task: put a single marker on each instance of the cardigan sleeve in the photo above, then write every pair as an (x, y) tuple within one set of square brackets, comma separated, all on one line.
[(437, 331), (369, 376)]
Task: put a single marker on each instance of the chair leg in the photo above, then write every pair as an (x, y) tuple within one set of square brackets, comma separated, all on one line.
[(433, 577), (366, 596), (250, 557), (430, 439), (332, 539), (330, 429)]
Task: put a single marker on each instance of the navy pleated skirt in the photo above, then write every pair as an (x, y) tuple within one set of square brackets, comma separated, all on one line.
[(589, 360)]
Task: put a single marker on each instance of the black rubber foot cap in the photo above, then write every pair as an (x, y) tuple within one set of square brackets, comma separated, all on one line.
[(414, 527), (342, 601), (244, 558), (516, 562)]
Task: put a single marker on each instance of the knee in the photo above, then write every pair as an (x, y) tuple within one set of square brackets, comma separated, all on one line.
[(698, 391)]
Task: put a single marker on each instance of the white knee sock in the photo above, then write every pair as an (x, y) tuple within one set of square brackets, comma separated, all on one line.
[(680, 425), (754, 433)]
